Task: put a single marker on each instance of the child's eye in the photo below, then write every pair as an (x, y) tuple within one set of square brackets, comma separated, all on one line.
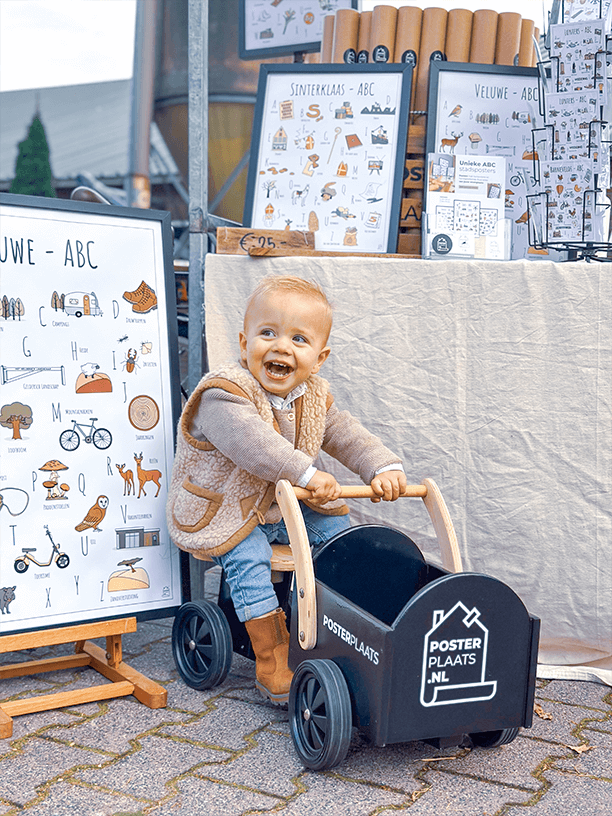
[(267, 333), (299, 338)]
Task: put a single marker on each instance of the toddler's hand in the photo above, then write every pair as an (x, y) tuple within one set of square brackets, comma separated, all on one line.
[(388, 485), (324, 488)]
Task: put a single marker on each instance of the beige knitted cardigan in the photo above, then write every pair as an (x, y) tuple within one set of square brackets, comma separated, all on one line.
[(212, 503)]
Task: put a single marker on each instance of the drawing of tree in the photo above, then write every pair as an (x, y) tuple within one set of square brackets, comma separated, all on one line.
[(61, 302), (55, 301), (12, 308), (5, 308), (268, 186), (19, 308), (16, 416)]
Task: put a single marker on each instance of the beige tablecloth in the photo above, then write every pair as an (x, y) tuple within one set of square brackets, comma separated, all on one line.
[(496, 381)]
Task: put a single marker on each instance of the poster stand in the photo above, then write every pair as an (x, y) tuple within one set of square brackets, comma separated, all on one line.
[(109, 663)]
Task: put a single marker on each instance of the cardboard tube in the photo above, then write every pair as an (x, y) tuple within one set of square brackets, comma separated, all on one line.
[(363, 43), (433, 39), (484, 34), (458, 35), (508, 38), (525, 53), (408, 34), (327, 41), (382, 34), (346, 34), (536, 37)]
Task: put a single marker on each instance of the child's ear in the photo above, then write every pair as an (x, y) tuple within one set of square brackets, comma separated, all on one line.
[(323, 355), (243, 345)]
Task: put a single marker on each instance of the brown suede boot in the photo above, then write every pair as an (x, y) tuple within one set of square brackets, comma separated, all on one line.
[(270, 641)]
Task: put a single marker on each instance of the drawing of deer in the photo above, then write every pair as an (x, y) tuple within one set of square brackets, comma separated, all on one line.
[(145, 476), (128, 478), (452, 143)]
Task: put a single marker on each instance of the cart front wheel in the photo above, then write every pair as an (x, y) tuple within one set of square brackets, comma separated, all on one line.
[(493, 739), (320, 714), (202, 644)]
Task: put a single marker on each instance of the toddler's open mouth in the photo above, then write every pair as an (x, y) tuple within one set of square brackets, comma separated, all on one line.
[(278, 369)]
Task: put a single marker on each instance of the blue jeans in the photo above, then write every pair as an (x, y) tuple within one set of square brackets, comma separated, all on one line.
[(247, 565)]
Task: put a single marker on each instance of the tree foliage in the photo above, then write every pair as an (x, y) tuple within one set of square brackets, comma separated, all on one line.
[(33, 169)]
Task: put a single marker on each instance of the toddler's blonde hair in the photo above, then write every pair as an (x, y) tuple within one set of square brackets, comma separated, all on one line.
[(294, 285)]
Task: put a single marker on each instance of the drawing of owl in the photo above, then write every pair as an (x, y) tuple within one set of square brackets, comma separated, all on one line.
[(94, 515)]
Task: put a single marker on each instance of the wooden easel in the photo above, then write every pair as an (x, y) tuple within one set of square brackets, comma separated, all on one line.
[(124, 680)]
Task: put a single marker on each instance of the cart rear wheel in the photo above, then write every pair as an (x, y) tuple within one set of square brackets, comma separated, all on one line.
[(320, 714), (201, 644), (493, 739)]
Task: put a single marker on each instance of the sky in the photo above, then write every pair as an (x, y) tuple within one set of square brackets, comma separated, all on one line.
[(45, 43)]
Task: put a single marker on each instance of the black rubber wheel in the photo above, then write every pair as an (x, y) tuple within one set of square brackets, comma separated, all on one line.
[(201, 644), (320, 714), (69, 440), (62, 561), (21, 566), (493, 739)]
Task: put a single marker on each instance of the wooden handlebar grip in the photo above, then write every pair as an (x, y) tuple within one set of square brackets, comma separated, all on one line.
[(366, 492)]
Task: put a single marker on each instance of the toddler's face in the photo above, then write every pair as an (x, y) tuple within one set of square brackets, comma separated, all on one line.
[(284, 339)]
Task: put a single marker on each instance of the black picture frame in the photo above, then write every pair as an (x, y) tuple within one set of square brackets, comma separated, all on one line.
[(337, 77), (508, 99), (298, 46), (35, 213)]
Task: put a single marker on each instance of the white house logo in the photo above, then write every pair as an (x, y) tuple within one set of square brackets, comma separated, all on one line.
[(455, 659)]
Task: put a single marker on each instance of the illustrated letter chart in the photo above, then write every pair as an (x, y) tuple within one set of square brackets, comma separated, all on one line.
[(86, 426), (327, 158)]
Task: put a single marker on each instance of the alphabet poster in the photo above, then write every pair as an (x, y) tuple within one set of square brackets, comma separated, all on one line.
[(328, 153), (490, 110), (272, 28), (88, 403)]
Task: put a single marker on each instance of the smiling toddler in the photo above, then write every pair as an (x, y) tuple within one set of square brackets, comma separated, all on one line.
[(246, 426)]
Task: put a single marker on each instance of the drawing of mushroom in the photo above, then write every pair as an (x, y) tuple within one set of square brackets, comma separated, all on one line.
[(54, 491)]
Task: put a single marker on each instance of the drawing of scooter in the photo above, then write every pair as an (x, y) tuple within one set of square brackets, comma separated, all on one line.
[(23, 562)]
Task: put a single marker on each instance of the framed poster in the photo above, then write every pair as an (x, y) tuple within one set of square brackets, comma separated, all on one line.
[(488, 110), (328, 152), (89, 400), (273, 28)]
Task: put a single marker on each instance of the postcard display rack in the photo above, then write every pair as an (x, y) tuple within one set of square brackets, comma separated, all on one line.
[(569, 209), (89, 401)]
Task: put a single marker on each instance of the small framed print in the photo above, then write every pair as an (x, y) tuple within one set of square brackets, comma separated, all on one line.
[(488, 110), (328, 152), (272, 28)]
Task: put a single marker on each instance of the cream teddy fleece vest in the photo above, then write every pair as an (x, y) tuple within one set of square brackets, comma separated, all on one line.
[(213, 504)]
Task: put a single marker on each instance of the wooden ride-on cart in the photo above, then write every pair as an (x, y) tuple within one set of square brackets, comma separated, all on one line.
[(380, 639)]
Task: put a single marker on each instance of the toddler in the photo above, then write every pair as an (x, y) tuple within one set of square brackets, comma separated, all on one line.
[(251, 423)]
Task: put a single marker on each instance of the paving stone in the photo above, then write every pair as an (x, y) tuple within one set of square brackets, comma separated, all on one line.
[(569, 795), (145, 772), (565, 719), (577, 693), (197, 797), (64, 799), (225, 726), (267, 767), (326, 794), (103, 731), (597, 762), (511, 764), (25, 686), (394, 765), (40, 761), (30, 723), (182, 696), (453, 795)]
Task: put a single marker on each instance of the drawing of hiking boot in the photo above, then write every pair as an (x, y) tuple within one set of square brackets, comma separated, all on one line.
[(143, 299)]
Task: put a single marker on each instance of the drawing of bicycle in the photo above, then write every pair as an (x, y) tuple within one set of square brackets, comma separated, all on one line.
[(70, 440)]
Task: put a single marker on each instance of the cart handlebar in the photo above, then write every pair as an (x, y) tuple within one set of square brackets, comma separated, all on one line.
[(287, 497), (365, 492)]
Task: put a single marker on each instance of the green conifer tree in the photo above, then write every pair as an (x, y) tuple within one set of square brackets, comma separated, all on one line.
[(32, 169)]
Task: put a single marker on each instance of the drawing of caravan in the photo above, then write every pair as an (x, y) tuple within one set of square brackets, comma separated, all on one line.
[(82, 303), (455, 659)]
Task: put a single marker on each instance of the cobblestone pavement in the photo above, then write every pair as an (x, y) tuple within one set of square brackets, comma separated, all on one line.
[(226, 752)]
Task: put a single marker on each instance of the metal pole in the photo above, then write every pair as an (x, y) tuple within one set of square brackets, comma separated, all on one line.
[(138, 184), (198, 185)]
